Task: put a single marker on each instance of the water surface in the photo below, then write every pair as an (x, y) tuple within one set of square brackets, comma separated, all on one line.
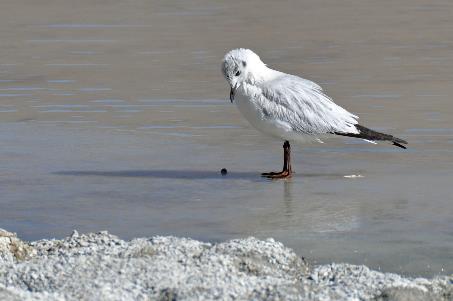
[(115, 116)]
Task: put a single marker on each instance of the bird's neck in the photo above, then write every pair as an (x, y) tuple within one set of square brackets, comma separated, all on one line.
[(262, 74)]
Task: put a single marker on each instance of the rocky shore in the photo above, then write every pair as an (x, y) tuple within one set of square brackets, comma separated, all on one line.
[(100, 266)]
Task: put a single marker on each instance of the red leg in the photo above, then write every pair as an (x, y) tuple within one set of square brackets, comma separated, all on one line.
[(287, 170)]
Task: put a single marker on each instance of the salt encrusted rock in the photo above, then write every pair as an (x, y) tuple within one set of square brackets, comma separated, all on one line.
[(4, 233), (354, 282), (13, 249), (100, 266)]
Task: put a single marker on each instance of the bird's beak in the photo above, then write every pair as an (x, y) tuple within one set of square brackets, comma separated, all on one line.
[(232, 92)]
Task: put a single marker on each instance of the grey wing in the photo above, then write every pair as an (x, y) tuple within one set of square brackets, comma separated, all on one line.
[(308, 83), (302, 106)]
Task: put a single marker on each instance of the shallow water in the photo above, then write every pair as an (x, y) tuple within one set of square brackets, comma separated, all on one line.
[(117, 117)]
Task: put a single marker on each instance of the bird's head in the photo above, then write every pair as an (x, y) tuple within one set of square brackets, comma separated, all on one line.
[(240, 66)]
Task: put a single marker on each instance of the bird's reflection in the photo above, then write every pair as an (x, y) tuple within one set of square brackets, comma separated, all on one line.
[(288, 198)]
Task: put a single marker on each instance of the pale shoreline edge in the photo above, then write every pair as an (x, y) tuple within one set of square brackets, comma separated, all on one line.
[(100, 266)]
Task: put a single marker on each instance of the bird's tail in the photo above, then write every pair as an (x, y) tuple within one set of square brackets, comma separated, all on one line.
[(368, 134)]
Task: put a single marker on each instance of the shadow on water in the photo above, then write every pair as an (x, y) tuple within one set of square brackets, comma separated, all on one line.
[(164, 174), (179, 174)]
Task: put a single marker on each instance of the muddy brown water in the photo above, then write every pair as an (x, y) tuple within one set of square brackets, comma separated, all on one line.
[(114, 115)]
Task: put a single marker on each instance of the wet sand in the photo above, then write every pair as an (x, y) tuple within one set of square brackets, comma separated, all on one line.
[(117, 117)]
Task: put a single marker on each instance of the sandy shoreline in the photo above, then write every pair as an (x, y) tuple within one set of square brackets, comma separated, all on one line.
[(100, 266)]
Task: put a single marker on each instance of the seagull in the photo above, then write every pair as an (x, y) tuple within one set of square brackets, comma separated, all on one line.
[(289, 107)]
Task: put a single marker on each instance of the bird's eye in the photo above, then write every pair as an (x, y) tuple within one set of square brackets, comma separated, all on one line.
[(238, 73)]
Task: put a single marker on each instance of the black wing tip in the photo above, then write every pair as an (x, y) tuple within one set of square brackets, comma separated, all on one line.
[(368, 134), (399, 140), (374, 135), (399, 144)]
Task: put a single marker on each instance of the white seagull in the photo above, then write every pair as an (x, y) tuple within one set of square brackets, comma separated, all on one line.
[(289, 107)]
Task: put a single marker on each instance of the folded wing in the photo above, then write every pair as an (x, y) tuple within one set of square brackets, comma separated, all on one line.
[(301, 105)]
